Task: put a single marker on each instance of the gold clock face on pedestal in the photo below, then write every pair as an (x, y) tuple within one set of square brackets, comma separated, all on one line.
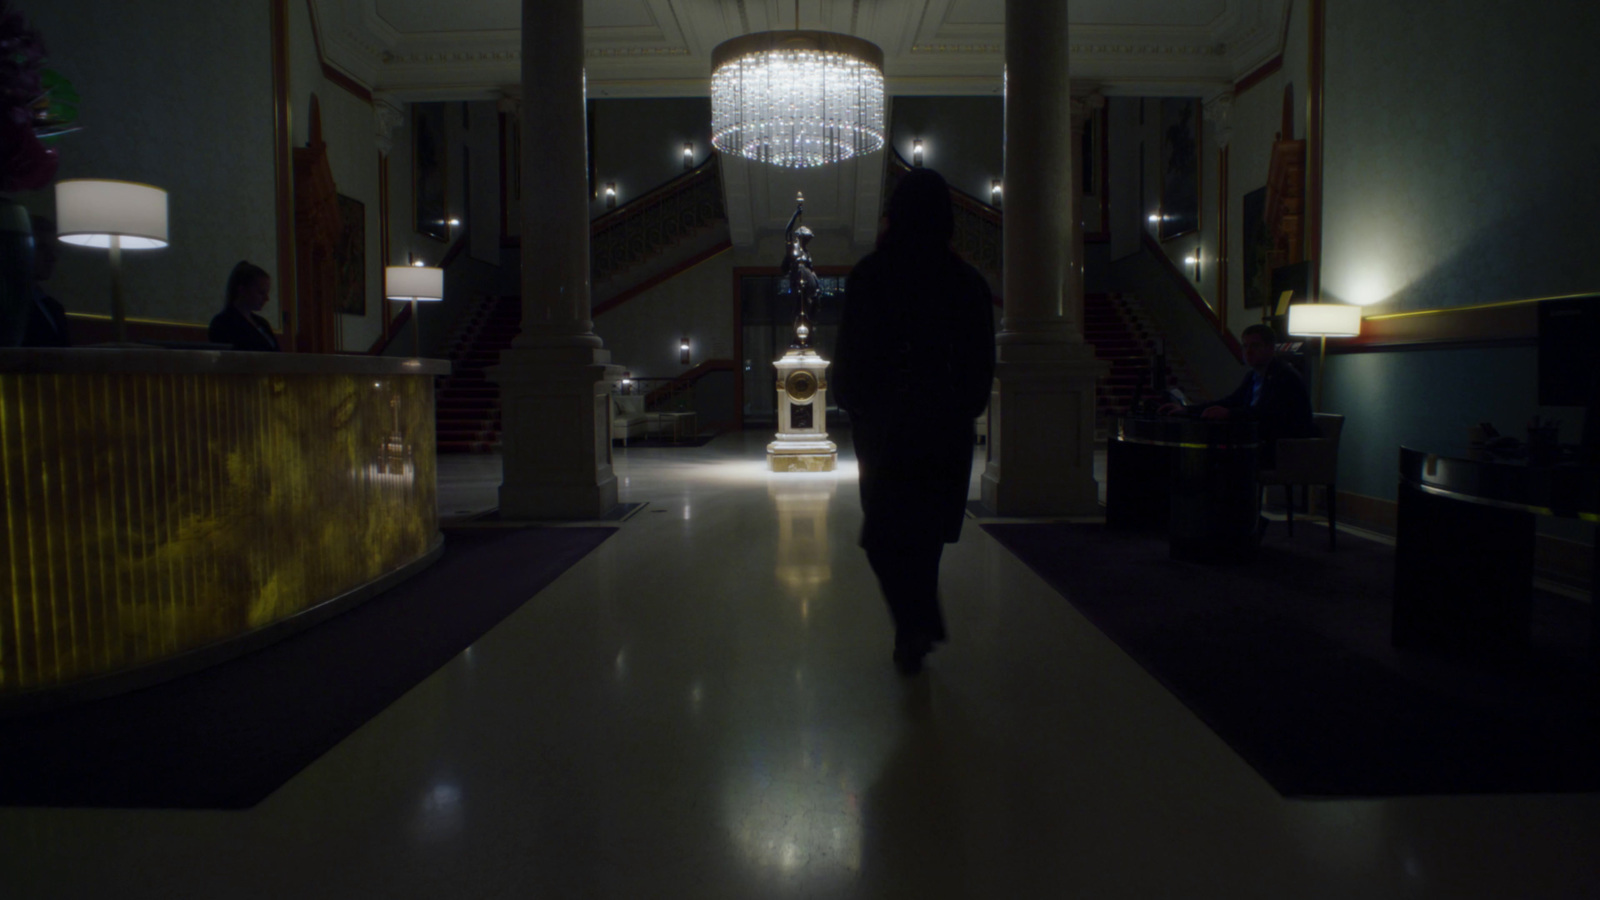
[(801, 385)]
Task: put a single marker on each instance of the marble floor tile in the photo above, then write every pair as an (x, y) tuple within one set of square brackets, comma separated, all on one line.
[(705, 707)]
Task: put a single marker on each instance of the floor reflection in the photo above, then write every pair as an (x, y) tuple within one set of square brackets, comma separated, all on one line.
[(802, 503)]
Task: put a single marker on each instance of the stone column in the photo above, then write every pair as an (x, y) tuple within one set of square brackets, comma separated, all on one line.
[(555, 381), (1041, 411)]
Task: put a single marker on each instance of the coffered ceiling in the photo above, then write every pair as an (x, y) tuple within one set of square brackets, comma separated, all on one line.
[(469, 49)]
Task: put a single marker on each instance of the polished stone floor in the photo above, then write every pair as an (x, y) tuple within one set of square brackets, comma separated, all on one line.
[(705, 708)]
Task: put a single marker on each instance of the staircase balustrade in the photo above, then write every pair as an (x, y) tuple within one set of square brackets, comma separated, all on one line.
[(648, 225)]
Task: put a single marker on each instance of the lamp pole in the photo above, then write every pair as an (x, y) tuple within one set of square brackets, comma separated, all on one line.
[(119, 318), (1322, 364)]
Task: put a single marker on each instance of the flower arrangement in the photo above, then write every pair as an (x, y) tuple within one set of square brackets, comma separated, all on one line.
[(36, 106)]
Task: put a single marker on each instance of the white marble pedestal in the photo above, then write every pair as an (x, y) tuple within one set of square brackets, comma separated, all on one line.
[(802, 444)]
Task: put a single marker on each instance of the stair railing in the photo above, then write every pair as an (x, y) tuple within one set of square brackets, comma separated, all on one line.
[(654, 221)]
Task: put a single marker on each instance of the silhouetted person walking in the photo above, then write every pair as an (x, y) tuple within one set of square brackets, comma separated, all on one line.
[(915, 363)]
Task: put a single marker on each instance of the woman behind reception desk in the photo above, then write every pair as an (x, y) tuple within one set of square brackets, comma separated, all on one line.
[(249, 289)]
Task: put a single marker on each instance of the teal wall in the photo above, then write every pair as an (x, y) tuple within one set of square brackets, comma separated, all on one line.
[(1460, 154)]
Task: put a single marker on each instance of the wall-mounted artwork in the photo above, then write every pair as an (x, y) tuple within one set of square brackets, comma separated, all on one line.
[(1257, 245), (511, 180), (428, 170), (1180, 166), (350, 258), (1093, 152)]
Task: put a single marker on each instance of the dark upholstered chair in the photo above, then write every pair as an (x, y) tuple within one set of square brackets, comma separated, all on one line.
[(1309, 461)]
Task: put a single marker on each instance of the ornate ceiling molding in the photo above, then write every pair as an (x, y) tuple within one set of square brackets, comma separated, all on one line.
[(637, 51), (923, 49)]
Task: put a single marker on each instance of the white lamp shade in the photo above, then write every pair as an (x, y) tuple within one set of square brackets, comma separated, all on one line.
[(91, 212), (1324, 320), (413, 283)]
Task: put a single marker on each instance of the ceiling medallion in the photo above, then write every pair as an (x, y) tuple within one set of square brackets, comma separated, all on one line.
[(797, 98)]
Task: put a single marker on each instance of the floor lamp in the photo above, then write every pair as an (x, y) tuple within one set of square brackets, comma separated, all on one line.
[(115, 215), (1324, 320), (414, 283)]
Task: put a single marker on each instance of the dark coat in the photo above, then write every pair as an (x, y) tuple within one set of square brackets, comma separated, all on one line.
[(1284, 410), (231, 327), (47, 323), (914, 368)]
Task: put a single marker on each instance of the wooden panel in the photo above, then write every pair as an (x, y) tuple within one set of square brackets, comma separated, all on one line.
[(1493, 323)]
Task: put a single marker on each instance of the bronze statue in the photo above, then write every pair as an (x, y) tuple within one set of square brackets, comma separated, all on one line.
[(802, 280)]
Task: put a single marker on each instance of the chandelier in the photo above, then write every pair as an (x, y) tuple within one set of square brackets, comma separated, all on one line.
[(797, 98)]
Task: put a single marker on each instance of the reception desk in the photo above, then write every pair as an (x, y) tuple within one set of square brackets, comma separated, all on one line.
[(163, 505), (1464, 547), (1194, 478)]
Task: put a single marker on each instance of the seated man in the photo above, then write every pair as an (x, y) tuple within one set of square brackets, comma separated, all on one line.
[(1272, 394)]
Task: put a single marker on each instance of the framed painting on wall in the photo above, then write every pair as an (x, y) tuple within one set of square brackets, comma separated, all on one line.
[(510, 180), (350, 258), (428, 158), (1180, 166), (1094, 153), (1257, 246)]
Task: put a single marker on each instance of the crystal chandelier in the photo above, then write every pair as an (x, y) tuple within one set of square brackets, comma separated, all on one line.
[(797, 98)]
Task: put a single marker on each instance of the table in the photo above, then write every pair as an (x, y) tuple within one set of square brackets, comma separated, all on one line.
[(678, 421), (1194, 478), (1464, 547)]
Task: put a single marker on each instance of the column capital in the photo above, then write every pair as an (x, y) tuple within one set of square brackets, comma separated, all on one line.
[(1085, 105), (510, 100), (1219, 112), (388, 116)]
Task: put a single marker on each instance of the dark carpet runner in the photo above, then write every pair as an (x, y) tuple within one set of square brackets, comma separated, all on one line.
[(228, 736), (1287, 659)]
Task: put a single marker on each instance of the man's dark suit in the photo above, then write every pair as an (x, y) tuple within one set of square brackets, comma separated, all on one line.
[(1282, 410), (232, 327), (47, 323)]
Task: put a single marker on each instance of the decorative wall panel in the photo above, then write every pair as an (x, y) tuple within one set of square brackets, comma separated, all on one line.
[(148, 514)]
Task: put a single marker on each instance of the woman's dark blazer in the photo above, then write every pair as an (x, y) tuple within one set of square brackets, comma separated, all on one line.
[(915, 366), (231, 327)]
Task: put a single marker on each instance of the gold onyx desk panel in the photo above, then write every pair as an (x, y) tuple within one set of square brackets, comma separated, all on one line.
[(159, 502)]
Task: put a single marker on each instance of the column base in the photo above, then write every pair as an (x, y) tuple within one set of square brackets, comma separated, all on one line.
[(802, 456), (555, 407), (1041, 435)]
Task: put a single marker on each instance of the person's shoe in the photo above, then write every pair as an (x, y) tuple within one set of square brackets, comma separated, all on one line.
[(908, 653)]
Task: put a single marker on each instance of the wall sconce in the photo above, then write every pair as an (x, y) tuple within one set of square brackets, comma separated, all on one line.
[(454, 223), (683, 350), (916, 153), (611, 195), (994, 192), (1193, 262), (627, 383), (1155, 218), (688, 156)]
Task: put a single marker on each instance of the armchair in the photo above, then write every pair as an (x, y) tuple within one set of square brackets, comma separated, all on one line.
[(1309, 461)]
